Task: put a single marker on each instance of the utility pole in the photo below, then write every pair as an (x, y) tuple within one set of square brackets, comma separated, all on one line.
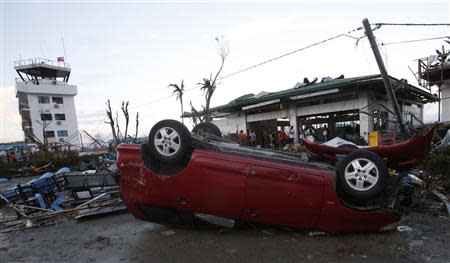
[(384, 75)]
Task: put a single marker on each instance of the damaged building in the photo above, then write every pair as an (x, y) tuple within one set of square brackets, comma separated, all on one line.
[(346, 107)]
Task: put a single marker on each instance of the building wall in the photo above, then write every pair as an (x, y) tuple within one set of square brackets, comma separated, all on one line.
[(360, 102), (231, 123), (445, 103), (46, 88), (267, 116)]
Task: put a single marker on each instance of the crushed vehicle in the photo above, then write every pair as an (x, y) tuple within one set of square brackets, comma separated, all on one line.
[(417, 147), (178, 175), (64, 193)]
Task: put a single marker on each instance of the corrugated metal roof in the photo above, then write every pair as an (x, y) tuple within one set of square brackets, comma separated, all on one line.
[(362, 81)]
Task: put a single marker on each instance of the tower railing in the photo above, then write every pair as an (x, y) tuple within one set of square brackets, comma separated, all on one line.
[(37, 61)]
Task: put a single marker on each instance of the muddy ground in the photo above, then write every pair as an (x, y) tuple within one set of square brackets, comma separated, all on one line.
[(122, 238)]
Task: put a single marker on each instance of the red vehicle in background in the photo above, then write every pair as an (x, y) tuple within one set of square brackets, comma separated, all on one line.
[(178, 176), (416, 148)]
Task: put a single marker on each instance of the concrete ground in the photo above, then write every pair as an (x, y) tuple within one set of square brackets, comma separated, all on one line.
[(122, 238)]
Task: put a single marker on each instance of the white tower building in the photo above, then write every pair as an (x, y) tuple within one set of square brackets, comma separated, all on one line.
[(46, 103)]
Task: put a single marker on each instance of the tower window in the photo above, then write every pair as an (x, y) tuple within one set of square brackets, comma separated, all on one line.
[(57, 100), (49, 134), (46, 117), (62, 133), (43, 100), (60, 117)]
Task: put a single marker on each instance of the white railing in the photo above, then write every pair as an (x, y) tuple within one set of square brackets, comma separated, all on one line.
[(35, 61)]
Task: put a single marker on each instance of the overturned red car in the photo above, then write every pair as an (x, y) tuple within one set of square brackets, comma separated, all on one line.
[(178, 175)]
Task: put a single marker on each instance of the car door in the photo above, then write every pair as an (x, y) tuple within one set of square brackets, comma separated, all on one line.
[(214, 184), (283, 194)]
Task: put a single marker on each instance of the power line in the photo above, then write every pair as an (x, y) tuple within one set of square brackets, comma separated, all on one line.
[(160, 99), (413, 40), (262, 63), (293, 52), (410, 24)]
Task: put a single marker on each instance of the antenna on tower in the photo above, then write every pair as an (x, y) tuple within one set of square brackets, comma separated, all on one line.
[(64, 48)]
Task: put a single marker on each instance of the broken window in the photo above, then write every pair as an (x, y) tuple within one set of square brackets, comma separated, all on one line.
[(57, 100), (46, 117), (49, 134), (60, 117), (43, 100)]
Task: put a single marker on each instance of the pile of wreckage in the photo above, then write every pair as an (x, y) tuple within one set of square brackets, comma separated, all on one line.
[(64, 194)]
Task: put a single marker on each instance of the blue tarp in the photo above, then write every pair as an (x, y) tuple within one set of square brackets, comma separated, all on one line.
[(3, 180)]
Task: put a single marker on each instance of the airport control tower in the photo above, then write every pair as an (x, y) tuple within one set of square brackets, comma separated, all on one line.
[(46, 103), (435, 71)]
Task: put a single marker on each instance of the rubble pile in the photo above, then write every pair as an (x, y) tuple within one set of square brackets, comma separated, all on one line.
[(64, 194)]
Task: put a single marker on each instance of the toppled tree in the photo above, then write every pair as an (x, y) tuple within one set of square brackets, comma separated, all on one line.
[(179, 91), (42, 145), (118, 137)]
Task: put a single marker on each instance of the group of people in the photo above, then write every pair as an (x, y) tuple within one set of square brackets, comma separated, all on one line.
[(13, 157), (269, 139), (247, 139), (322, 133)]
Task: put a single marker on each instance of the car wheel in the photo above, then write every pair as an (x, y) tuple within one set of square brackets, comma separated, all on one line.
[(205, 128), (362, 174), (170, 142)]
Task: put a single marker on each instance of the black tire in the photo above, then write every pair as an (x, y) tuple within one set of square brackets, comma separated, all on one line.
[(363, 182), (205, 128), (176, 135), (348, 146)]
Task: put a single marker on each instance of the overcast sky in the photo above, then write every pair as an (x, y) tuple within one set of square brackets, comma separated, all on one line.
[(133, 50)]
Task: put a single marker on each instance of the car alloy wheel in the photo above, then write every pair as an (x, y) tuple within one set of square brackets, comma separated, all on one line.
[(167, 141), (361, 174)]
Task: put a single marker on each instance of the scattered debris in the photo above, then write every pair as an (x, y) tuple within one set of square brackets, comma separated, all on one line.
[(168, 232), (416, 243), (57, 195), (404, 229), (444, 199), (267, 232), (316, 233)]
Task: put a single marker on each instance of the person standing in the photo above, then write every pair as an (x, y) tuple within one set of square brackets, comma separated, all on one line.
[(325, 132), (13, 157), (282, 138), (252, 138), (291, 136)]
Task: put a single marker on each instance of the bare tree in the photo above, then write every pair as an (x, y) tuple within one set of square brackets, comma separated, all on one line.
[(118, 137), (111, 121), (196, 116), (118, 128), (209, 85), (137, 127), (127, 117), (179, 91)]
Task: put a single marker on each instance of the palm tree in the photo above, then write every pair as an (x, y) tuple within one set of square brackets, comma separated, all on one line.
[(179, 90)]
